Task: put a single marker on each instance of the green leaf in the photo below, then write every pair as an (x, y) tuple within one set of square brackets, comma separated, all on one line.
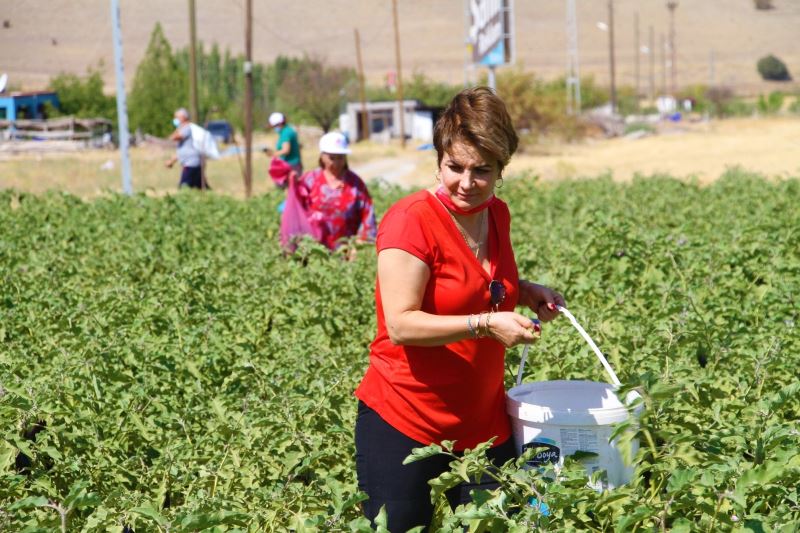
[(681, 525), (29, 503), (52, 453), (443, 483), (664, 391), (7, 454), (463, 467), (681, 479), (418, 454), (148, 511), (200, 521), (382, 521), (627, 522)]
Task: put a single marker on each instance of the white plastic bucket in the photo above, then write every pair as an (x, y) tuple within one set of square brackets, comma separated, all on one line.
[(564, 417)]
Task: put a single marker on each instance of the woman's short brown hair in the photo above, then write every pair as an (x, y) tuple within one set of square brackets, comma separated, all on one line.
[(478, 117)]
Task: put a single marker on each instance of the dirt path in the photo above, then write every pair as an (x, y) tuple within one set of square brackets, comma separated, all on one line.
[(395, 170)]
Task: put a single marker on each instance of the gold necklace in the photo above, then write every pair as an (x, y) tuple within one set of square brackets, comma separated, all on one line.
[(473, 245)]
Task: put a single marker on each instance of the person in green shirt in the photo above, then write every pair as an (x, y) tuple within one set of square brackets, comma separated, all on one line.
[(287, 147)]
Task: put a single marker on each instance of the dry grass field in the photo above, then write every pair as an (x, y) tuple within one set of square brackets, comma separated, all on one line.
[(701, 151), (44, 37)]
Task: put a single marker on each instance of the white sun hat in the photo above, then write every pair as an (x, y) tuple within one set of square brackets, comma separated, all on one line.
[(334, 143), (276, 118)]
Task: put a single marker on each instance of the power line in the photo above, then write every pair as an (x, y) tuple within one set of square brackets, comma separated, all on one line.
[(310, 44)]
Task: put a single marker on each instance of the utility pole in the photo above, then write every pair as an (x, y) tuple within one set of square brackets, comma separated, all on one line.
[(573, 69), (652, 57), (248, 99), (399, 75), (195, 108), (467, 44), (193, 63), (711, 70), (611, 56), (122, 109), (663, 65), (672, 4), (636, 51), (364, 117)]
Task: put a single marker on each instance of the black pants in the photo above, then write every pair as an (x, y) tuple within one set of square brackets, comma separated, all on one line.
[(404, 489), (192, 177)]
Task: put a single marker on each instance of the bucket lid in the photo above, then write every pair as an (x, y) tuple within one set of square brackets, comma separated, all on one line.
[(570, 403)]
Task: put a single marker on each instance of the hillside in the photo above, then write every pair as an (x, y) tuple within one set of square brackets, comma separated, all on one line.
[(39, 38)]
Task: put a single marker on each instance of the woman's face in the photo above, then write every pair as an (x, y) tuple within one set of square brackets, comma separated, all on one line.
[(333, 163), (468, 176)]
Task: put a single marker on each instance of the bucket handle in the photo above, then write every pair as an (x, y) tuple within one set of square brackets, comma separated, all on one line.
[(587, 338)]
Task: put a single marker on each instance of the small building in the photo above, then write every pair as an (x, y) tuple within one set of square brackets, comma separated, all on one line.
[(384, 120), (27, 105)]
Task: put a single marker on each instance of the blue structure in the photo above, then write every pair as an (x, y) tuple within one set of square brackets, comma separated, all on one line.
[(31, 104)]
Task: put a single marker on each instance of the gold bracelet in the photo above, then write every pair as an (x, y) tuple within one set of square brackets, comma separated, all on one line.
[(486, 327)]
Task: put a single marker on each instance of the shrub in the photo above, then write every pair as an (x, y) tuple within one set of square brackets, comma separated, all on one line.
[(794, 107), (771, 104), (627, 100), (763, 4), (773, 69), (592, 95), (639, 126), (420, 88), (83, 97), (522, 92), (738, 108), (718, 99), (698, 94)]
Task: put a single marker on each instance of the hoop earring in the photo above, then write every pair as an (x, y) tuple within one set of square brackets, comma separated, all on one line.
[(499, 183), (436, 178)]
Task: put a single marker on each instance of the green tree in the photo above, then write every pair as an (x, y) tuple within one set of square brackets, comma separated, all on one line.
[(159, 87), (220, 80), (772, 68), (317, 91), (83, 96)]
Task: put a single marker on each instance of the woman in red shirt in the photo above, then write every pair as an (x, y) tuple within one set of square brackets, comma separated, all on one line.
[(445, 296)]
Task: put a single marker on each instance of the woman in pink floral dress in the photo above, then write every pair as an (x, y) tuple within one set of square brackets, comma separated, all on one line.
[(335, 199)]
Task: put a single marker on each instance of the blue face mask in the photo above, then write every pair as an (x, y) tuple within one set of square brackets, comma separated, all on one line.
[(278, 128), (176, 122)]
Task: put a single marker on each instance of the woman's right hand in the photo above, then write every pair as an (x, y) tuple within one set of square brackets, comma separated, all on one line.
[(511, 328)]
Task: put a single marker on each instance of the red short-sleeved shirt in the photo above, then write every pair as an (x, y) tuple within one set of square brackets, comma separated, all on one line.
[(455, 391)]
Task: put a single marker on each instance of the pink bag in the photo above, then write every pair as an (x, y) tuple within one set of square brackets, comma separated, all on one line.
[(295, 220), (279, 171)]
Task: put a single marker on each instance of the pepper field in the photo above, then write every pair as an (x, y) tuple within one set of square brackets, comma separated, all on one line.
[(163, 367)]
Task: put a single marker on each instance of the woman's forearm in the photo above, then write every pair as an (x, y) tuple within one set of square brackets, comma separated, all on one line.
[(418, 328)]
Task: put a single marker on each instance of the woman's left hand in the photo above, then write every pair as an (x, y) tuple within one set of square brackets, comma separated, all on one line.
[(540, 299)]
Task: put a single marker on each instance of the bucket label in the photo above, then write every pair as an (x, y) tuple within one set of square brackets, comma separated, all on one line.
[(547, 452), (576, 439)]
